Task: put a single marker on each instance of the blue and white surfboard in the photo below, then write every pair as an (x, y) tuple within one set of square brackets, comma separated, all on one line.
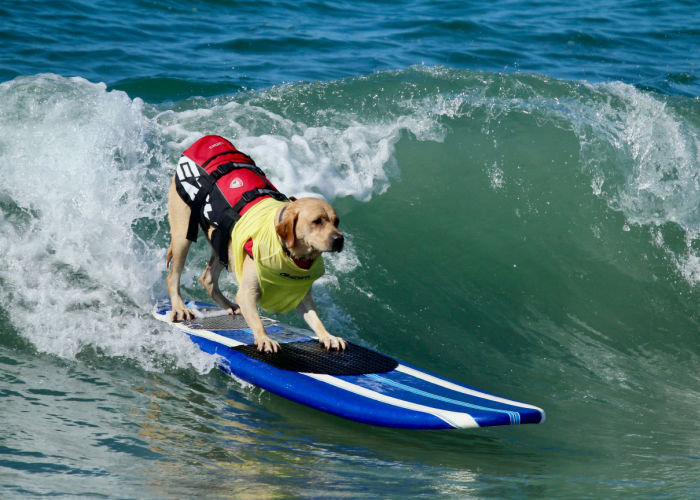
[(358, 383)]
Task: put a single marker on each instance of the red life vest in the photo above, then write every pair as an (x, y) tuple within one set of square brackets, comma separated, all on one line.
[(220, 184)]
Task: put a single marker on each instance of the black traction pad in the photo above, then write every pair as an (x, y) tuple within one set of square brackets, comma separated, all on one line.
[(309, 356), (221, 322)]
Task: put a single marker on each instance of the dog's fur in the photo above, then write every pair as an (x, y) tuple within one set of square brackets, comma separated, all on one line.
[(309, 227)]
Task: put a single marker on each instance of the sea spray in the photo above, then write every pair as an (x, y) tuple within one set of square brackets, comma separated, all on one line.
[(78, 175)]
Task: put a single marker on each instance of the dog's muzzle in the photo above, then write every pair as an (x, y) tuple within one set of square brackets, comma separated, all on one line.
[(337, 242)]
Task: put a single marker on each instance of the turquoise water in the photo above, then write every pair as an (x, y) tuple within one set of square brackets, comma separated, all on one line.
[(519, 185)]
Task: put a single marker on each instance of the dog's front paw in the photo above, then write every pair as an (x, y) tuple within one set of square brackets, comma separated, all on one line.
[(332, 342), (266, 344), (180, 314)]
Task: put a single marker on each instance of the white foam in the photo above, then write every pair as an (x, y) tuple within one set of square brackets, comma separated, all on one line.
[(75, 167), (655, 155), (349, 158)]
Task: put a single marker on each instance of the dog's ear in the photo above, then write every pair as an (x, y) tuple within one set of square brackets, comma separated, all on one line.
[(286, 228)]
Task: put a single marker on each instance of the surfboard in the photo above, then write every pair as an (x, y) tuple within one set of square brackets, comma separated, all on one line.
[(358, 383)]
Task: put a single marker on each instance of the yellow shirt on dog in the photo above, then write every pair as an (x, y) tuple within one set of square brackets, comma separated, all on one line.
[(283, 284)]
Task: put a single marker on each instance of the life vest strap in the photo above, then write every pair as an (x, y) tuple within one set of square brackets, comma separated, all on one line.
[(231, 215), (227, 168), (207, 183), (204, 165)]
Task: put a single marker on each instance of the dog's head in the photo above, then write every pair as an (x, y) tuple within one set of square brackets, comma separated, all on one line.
[(309, 226)]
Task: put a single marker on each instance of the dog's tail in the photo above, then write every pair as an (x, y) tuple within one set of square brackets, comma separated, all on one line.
[(169, 257)]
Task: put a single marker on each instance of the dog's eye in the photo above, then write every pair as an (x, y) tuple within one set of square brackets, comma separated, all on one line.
[(318, 221)]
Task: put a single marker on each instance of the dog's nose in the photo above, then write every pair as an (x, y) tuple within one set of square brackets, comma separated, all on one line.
[(338, 242)]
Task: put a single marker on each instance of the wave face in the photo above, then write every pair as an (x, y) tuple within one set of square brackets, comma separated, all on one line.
[(537, 238)]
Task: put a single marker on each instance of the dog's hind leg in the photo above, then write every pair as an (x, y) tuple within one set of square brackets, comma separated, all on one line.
[(179, 216), (176, 257), (210, 281)]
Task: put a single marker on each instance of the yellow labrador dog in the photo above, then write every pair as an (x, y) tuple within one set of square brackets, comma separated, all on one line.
[(273, 243)]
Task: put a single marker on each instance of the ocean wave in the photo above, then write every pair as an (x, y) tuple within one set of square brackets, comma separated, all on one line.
[(85, 172)]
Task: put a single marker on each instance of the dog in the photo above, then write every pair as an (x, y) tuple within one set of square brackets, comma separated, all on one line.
[(275, 244)]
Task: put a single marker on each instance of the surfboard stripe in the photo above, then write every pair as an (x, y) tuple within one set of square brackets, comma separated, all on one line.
[(465, 390), (513, 416), (214, 337), (455, 419)]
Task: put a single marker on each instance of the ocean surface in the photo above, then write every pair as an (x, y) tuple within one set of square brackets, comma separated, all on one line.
[(519, 185)]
